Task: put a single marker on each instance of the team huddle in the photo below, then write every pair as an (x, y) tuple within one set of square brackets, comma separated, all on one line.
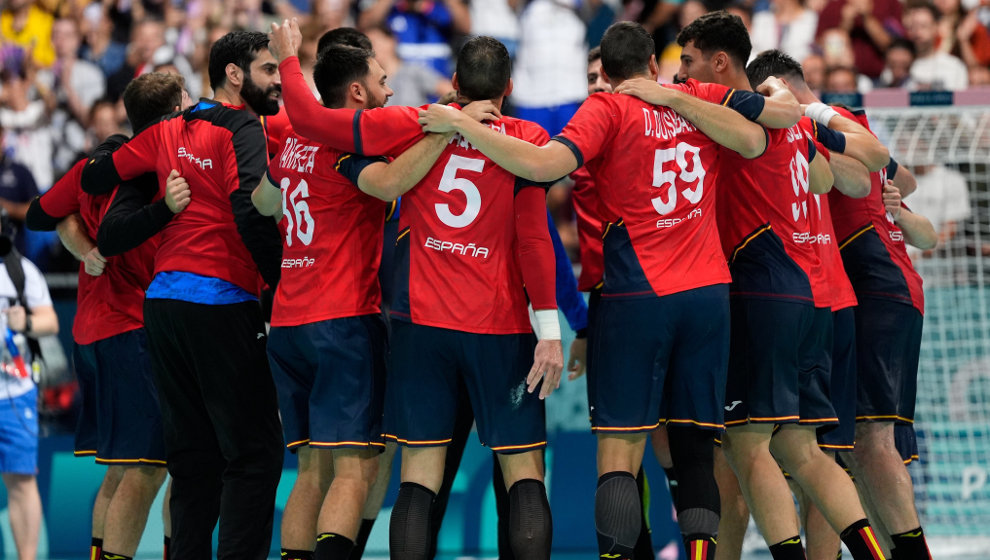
[(753, 312)]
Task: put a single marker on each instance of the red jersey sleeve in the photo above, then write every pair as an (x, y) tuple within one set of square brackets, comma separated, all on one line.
[(63, 198), (591, 128), (139, 155), (386, 131), (535, 249), (309, 118)]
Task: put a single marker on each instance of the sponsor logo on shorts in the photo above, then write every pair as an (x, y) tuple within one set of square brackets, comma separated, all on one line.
[(732, 406)]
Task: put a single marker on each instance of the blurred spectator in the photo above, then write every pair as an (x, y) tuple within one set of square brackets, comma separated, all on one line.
[(414, 84), (499, 19), (17, 189), (551, 65), (25, 121), (840, 79), (148, 36), (871, 25), (814, 72), (932, 69), (28, 26), (943, 197), (424, 28), (788, 25), (103, 123), (76, 84), (837, 48), (100, 48), (897, 69), (973, 34)]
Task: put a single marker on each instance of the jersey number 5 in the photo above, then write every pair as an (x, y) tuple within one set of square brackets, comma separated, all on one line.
[(299, 220), (668, 179), (451, 182)]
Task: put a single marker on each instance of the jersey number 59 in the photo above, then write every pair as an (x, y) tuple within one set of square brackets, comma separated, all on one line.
[(668, 180)]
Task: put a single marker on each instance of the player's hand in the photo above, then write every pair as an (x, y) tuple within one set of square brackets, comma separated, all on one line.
[(577, 361), (448, 98), (177, 195), (770, 85), (439, 118), (548, 363), (284, 40), (892, 200), (94, 262), (482, 111), (647, 90), (16, 318)]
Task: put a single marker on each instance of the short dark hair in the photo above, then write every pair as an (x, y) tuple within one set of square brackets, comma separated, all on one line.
[(483, 69), (902, 43), (151, 96), (927, 6), (626, 50), (773, 63), (338, 66), (594, 54), (343, 36), (718, 31), (236, 47)]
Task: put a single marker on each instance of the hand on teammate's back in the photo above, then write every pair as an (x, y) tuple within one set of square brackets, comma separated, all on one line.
[(647, 90), (177, 195), (94, 262), (548, 363), (770, 85), (284, 40), (439, 118), (892, 199)]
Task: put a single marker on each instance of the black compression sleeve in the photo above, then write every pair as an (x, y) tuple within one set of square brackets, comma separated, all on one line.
[(99, 176), (39, 220), (132, 217)]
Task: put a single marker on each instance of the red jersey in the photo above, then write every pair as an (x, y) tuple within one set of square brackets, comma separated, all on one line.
[(332, 237), (820, 219), (655, 174), (221, 151), (112, 303), (763, 221), (590, 227), (871, 244)]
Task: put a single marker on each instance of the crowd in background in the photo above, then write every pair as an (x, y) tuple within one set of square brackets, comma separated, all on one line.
[(65, 63)]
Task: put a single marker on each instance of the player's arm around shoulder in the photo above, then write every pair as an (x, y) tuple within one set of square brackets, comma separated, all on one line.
[(820, 178), (860, 143), (519, 157)]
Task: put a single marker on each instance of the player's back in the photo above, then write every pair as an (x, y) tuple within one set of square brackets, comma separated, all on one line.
[(111, 303), (871, 244), (332, 237), (456, 266), (656, 176), (763, 220)]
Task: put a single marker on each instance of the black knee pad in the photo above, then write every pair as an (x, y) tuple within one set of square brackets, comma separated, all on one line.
[(409, 528), (692, 450), (618, 514), (530, 522)]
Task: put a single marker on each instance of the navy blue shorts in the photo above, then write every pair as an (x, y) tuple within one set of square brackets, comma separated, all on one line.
[(659, 359), (779, 363), (888, 345), (423, 392), (129, 419), (843, 382), (330, 377), (19, 434), (87, 435), (906, 442)]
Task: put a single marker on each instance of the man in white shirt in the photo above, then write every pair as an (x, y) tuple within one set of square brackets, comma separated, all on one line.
[(932, 70)]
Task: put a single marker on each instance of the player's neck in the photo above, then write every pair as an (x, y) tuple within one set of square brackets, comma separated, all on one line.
[(462, 101), (735, 79), (223, 95)]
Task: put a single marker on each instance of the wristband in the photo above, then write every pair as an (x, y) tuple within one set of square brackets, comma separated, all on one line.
[(27, 324), (547, 324), (820, 112)]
